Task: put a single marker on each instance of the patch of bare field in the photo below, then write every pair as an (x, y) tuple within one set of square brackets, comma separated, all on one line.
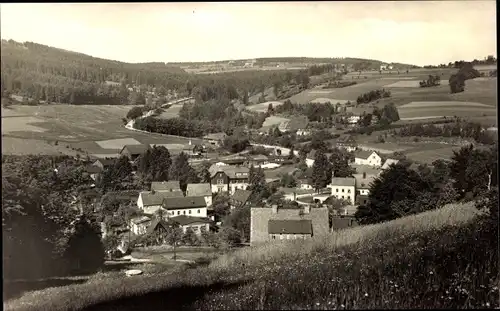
[(273, 120), (15, 124), (21, 146), (117, 143), (453, 104)]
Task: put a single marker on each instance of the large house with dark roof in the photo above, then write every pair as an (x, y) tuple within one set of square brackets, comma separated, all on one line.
[(229, 178), (134, 151), (269, 224), (189, 206), (150, 202), (200, 190)]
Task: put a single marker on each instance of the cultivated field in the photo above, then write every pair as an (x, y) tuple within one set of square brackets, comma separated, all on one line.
[(438, 109), (95, 130), (273, 120)]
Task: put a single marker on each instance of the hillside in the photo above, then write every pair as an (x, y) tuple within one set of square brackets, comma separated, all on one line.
[(443, 258)]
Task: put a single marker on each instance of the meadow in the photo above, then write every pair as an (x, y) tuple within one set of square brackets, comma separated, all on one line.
[(439, 259), (95, 130)]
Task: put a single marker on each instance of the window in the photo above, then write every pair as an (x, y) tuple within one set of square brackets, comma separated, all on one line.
[(348, 190), (184, 212), (189, 211), (336, 189), (220, 181), (198, 211), (342, 190), (196, 228), (273, 237), (178, 212), (342, 197)]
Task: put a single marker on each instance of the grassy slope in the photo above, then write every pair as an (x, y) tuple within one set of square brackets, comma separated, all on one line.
[(433, 259)]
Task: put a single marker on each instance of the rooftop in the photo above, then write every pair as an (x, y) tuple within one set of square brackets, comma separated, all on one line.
[(230, 171), (364, 183), (172, 185), (241, 195), (363, 154), (184, 202), (343, 181), (155, 223), (388, 162), (92, 169), (136, 149), (149, 199), (202, 189), (215, 136), (186, 220), (106, 162), (302, 226)]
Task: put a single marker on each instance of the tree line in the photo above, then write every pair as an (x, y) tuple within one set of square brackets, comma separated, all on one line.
[(366, 98), (457, 80), (431, 81), (401, 190), (459, 128)]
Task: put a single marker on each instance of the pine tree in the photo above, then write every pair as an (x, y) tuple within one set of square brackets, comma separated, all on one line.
[(320, 171)]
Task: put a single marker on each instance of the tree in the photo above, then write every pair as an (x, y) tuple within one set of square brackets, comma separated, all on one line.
[(320, 170), (229, 237), (190, 238), (220, 206), (174, 236), (258, 186), (239, 220), (339, 161), (122, 168), (395, 193)]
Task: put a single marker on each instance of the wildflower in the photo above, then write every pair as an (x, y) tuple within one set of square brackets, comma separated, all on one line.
[(317, 303), (431, 273), (366, 294), (487, 304)]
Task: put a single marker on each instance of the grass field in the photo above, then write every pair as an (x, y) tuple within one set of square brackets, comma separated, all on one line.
[(273, 120), (262, 107), (420, 261), (431, 153), (93, 129)]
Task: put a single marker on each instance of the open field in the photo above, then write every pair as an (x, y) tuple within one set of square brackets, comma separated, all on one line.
[(429, 156), (346, 269), (437, 109), (19, 146), (410, 83), (79, 126), (262, 107), (171, 112), (273, 120)]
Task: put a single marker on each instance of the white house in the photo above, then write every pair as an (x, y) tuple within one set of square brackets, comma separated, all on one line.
[(388, 163), (188, 206), (353, 119), (368, 158), (303, 132), (304, 184), (344, 188), (200, 190), (150, 202), (269, 165), (139, 225)]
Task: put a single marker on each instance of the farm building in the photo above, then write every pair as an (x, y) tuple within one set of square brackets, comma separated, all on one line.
[(139, 225), (197, 224), (347, 142), (200, 190), (304, 183), (133, 151), (267, 224), (93, 171), (215, 139), (367, 158)]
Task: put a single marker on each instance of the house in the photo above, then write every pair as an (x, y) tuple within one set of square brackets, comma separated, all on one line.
[(93, 171), (133, 151), (104, 163), (192, 150), (353, 119), (189, 206), (363, 183), (344, 188), (166, 186), (361, 199), (159, 228), (371, 158), (200, 190), (343, 222), (228, 179), (215, 139), (304, 184), (347, 142), (150, 201), (139, 225), (367, 169), (293, 125), (197, 224), (293, 194), (238, 160), (388, 163), (383, 67), (258, 160), (267, 224), (311, 156), (239, 198), (303, 132)]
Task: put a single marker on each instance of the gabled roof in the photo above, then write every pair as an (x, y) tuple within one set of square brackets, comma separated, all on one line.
[(186, 220), (364, 154), (343, 181), (106, 162), (364, 183), (92, 169), (215, 136), (157, 222), (388, 162), (231, 171), (150, 199), (241, 195), (343, 222), (140, 220), (172, 185), (302, 226), (184, 202), (135, 149), (202, 189), (346, 140)]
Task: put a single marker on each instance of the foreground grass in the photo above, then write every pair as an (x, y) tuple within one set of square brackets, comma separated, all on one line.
[(436, 259)]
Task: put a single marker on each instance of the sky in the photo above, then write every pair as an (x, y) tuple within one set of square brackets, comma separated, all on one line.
[(411, 32)]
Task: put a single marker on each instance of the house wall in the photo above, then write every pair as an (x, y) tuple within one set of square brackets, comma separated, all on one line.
[(260, 216), (373, 160), (219, 188), (364, 191), (140, 229), (289, 236), (237, 184), (344, 192), (208, 200), (196, 212), (309, 162), (197, 227), (151, 209)]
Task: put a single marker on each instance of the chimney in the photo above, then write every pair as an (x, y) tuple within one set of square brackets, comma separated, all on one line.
[(275, 208), (364, 175)]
